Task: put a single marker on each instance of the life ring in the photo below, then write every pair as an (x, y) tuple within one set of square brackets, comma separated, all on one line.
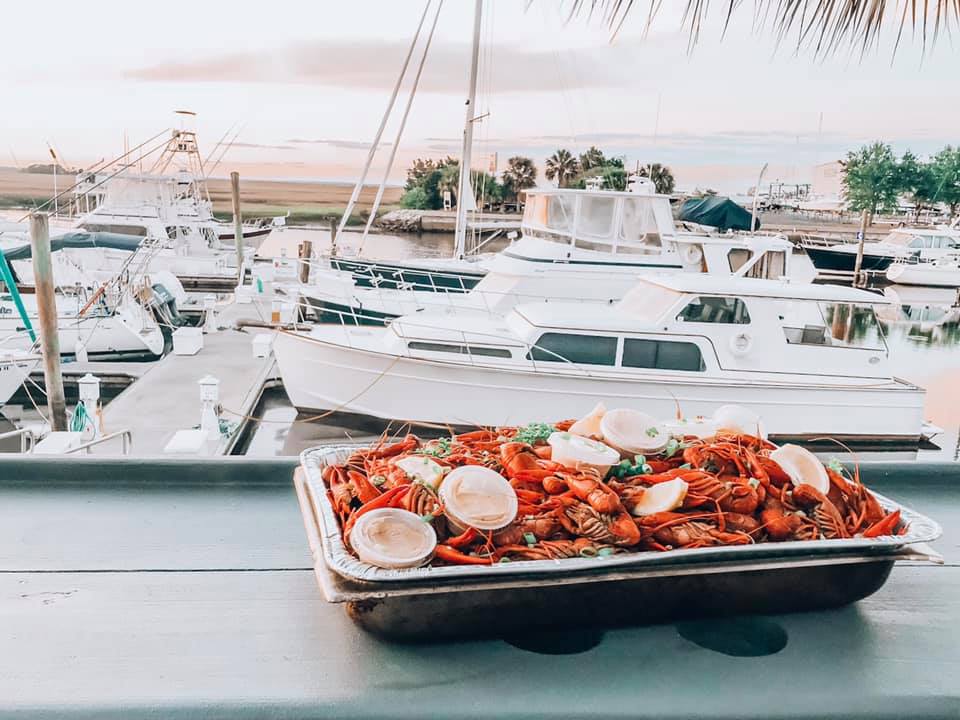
[(741, 344), (692, 255)]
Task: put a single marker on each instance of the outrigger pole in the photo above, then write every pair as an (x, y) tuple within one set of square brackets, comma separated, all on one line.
[(7, 276)]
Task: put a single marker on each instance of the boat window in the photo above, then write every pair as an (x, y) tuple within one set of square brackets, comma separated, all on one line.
[(738, 257), (460, 349), (596, 216), (560, 212), (662, 355), (171, 232), (639, 226), (836, 325), (771, 266), (586, 349), (720, 310), (648, 302), (535, 212), (138, 230)]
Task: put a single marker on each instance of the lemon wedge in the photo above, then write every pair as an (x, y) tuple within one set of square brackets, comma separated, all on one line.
[(802, 466), (589, 425), (661, 497), (422, 469)]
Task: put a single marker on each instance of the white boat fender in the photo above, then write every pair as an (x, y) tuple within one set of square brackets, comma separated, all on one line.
[(741, 344), (692, 254)]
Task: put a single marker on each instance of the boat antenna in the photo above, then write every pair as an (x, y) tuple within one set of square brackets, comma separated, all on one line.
[(460, 238), (374, 146), (403, 124)]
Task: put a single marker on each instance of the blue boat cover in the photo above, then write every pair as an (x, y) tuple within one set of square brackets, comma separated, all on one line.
[(719, 212), (80, 239)]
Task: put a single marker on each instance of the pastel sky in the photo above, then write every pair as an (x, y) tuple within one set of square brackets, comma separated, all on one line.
[(307, 83)]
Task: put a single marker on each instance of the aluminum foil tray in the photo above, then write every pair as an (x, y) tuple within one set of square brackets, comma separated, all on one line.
[(338, 558)]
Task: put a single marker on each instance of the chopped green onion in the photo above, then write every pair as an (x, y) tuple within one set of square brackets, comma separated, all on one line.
[(505, 559), (588, 552), (835, 465), (646, 470), (604, 552), (378, 480), (639, 460), (754, 483), (672, 446), (427, 518), (685, 466), (530, 538), (534, 433)]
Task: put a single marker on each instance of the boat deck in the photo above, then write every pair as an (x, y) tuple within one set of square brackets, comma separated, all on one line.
[(174, 589), (166, 398)]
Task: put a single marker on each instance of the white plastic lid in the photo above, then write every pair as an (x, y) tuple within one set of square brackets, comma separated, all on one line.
[(738, 419), (393, 538), (633, 432), (578, 452), (476, 496)]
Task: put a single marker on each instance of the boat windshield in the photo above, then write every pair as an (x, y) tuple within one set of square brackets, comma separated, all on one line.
[(648, 302), (913, 241), (832, 324)]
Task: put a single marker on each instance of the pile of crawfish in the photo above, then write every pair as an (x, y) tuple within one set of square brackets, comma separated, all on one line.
[(736, 495)]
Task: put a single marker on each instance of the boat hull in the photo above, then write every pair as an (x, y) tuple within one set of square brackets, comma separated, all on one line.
[(839, 261), (323, 375), (13, 371), (924, 275), (395, 275)]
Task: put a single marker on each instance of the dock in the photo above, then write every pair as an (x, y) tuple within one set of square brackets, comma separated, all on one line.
[(165, 397)]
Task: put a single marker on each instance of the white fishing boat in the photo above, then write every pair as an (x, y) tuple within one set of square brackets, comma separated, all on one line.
[(15, 367), (943, 272), (808, 358), (574, 244)]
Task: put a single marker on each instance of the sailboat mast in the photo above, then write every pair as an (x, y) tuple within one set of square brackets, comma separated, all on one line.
[(460, 243)]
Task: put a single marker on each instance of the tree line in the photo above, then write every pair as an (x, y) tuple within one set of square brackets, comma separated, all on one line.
[(875, 179), (428, 179)]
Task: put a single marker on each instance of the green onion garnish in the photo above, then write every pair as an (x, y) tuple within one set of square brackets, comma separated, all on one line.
[(378, 480), (504, 559), (530, 538), (427, 518), (672, 446), (604, 552), (588, 552)]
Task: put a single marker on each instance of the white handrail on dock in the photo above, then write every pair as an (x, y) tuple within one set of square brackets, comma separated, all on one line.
[(25, 435), (126, 442)]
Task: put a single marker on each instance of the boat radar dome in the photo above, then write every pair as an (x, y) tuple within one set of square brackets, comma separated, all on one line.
[(641, 185)]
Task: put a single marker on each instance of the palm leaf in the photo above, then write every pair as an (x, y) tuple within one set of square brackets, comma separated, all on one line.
[(823, 25)]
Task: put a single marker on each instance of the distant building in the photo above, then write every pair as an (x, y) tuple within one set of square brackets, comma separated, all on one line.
[(828, 179)]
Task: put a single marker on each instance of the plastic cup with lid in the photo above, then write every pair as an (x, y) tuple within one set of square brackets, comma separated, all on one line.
[(633, 432), (478, 497), (393, 538)]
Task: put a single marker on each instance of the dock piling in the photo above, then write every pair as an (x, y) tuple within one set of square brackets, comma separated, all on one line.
[(47, 315), (237, 223), (859, 279), (306, 255)]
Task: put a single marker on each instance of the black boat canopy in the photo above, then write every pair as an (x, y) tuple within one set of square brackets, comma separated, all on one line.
[(719, 212), (80, 239)]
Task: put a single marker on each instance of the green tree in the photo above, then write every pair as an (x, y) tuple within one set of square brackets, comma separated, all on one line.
[(520, 175), (915, 178), (660, 175), (449, 181), (415, 198), (592, 158), (562, 166), (945, 173), (418, 172), (871, 179)]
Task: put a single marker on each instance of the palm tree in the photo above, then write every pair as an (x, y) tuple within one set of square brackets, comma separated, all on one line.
[(592, 158), (449, 179), (824, 26), (520, 174), (561, 166), (661, 176)]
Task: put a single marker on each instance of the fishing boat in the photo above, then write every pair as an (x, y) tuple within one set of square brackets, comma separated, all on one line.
[(901, 245), (808, 358), (944, 272), (589, 245)]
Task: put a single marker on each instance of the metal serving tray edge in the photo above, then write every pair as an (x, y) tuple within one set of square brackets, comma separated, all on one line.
[(338, 558)]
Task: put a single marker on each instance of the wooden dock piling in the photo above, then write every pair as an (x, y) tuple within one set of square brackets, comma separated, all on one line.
[(237, 223), (47, 314)]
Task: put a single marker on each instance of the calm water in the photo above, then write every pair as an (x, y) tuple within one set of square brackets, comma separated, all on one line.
[(922, 332)]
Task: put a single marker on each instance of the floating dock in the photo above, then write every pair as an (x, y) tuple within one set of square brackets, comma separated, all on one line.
[(165, 396)]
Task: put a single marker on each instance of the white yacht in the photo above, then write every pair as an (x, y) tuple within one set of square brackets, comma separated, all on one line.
[(944, 272), (589, 245), (808, 358)]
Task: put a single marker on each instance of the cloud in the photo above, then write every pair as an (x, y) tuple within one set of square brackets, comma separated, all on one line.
[(368, 64), (339, 144)]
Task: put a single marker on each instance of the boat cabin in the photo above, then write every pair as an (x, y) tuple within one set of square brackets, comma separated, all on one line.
[(635, 230), (673, 324), (917, 239)]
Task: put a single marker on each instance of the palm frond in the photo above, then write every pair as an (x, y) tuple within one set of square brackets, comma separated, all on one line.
[(824, 26)]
